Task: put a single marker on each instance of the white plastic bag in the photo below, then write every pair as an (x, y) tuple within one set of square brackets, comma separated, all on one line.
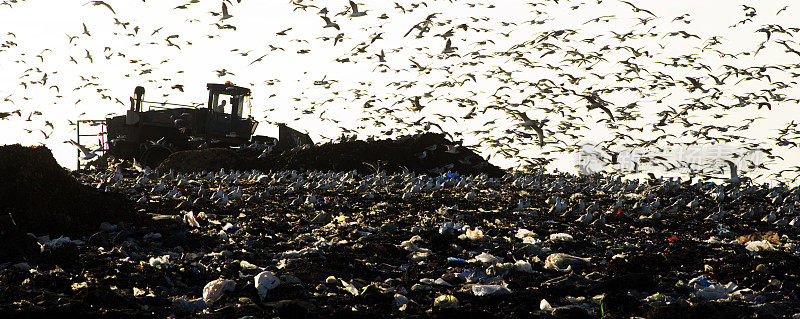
[(216, 288), (489, 290), (266, 281), (564, 262)]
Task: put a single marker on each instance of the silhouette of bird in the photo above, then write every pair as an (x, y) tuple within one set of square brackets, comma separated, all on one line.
[(448, 47), (329, 23), (87, 153), (535, 125), (356, 13), (596, 103), (225, 14), (101, 3)]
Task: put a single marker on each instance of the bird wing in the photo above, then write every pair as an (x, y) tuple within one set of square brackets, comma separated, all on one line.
[(353, 6), (256, 60), (648, 11), (102, 3), (225, 11), (540, 134), (732, 166), (416, 26), (524, 117), (86, 152), (605, 109)]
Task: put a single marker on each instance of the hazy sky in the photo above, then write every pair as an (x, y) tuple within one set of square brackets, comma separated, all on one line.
[(161, 44)]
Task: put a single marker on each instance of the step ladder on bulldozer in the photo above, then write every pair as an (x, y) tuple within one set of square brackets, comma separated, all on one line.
[(92, 128)]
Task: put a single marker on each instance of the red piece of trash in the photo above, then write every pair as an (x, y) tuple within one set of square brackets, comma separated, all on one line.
[(619, 211), (673, 238)]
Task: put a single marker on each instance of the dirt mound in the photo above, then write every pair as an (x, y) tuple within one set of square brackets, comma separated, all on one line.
[(425, 153), (40, 196), (199, 160)]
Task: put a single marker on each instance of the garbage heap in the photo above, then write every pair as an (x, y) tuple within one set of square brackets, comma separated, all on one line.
[(40, 196), (427, 153)]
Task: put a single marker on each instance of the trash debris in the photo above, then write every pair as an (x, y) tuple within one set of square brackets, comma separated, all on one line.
[(445, 302), (760, 245), (561, 237), (487, 258), (564, 262), (216, 288), (489, 290), (264, 282), (400, 301), (339, 251), (189, 306)]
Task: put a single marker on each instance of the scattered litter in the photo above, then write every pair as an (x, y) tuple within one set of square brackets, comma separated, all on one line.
[(216, 288), (264, 282)]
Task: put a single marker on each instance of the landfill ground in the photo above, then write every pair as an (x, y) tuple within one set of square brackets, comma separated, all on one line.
[(323, 244)]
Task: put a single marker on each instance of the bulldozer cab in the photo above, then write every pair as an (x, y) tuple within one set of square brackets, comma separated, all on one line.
[(228, 99)]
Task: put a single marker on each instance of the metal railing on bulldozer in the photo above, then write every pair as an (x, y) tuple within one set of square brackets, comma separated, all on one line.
[(102, 143)]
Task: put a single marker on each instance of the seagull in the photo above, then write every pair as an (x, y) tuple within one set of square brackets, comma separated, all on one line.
[(85, 31), (585, 218), (329, 23), (448, 47), (101, 3), (338, 38), (356, 13), (417, 106), (225, 14), (87, 153), (4, 115), (734, 179), (381, 56), (596, 103), (535, 125), (637, 10), (258, 60)]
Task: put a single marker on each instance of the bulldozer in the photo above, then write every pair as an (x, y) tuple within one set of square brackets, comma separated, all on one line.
[(150, 136)]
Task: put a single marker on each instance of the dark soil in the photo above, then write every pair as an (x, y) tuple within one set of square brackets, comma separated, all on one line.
[(41, 197), (390, 155)]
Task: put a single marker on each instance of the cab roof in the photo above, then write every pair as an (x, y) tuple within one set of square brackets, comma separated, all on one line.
[(227, 88)]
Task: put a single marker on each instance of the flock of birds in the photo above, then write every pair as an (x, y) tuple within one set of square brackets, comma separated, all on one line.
[(524, 89)]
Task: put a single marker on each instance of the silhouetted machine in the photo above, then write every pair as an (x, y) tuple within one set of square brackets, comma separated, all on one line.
[(150, 136)]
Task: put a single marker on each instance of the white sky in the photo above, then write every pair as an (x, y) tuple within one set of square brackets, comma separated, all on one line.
[(289, 76)]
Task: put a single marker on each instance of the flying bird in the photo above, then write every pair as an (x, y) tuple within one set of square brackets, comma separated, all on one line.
[(87, 153), (329, 23), (637, 9), (596, 103), (734, 179), (356, 13), (101, 3), (85, 31), (258, 60), (225, 14), (534, 124), (448, 47)]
